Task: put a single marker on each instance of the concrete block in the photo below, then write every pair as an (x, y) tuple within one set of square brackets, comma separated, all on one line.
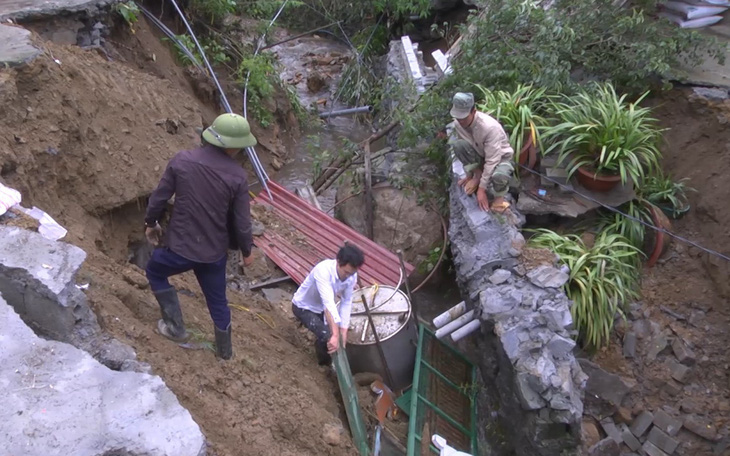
[(701, 426), (606, 447), (16, 47), (683, 353), (64, 402), (651, 450), (666, 422), (662, 441), (629, 348), (641, 423), (630, 439), (678, 371), (609, 427)]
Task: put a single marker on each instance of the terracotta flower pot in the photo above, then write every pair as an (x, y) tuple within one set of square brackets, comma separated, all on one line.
[(656, 243), (595, 182), (528, 153)]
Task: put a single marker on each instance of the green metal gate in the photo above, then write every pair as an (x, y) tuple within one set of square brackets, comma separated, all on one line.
[(443, 398)]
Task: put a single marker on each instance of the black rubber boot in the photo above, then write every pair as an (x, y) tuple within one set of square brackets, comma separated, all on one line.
[(323, 358), (223, 344), (171, 325)]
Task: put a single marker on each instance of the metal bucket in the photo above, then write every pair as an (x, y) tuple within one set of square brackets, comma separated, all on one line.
[(391, 312)]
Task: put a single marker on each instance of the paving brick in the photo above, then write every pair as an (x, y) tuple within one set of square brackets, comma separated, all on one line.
[(641, 423), (629, 439), (666, 422), (630, 345), (701, 426), (683, 353), (611, 430), (652, 450), (661, 440)]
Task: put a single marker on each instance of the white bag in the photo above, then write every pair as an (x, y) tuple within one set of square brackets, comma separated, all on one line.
[(9, 197), (694, 11)]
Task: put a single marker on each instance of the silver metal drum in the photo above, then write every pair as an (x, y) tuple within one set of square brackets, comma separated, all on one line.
[(391, 312)]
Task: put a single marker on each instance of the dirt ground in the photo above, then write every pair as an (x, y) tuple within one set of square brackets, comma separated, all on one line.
[(683, 293), (86, 140)]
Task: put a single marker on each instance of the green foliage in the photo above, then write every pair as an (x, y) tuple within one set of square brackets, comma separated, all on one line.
[(263, 9), (261, 84), (213, 10), (214, 51), (129, 12), (520, 112), (602, 279), (598, 130), (431, 260), (634, 231), (661, 190)]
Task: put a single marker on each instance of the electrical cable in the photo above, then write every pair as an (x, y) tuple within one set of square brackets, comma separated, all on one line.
[(630, 217)]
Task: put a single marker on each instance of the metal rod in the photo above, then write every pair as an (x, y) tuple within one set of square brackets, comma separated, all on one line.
[(375, 334), (369, 216), (346, 112), (268, 283), (405, 281), (292, 38)]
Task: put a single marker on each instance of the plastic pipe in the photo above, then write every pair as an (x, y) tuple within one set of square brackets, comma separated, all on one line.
[(346, 112), (449, 315), (466, 330), (454, 325)]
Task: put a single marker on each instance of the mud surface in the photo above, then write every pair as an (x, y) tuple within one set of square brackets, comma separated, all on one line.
[(86, 140)]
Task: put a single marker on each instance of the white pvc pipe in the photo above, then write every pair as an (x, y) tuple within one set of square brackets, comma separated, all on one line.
[(466, 330), (454, 325), (449, 315)]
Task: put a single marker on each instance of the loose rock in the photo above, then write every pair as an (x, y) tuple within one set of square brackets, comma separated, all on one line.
[(547, 277), (701, 426), (683, 353)]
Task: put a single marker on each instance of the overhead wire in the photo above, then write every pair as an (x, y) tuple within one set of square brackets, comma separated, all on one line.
[(630, 217)]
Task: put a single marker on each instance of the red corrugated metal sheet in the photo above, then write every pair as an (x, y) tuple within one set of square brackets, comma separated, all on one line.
[(320, 238)]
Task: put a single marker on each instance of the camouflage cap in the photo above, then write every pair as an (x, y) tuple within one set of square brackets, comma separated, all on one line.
[(462, 105)]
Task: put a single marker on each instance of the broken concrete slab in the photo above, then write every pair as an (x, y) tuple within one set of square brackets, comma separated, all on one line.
[(605, 385), (276, 295), (629, 439), (60, 401), (20, 10), (500, 276), (37, 278), (661, 440), (16, 46), (611, 430), (569, 204)]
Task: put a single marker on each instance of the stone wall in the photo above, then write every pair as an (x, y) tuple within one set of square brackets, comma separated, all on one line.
[(533, 384)]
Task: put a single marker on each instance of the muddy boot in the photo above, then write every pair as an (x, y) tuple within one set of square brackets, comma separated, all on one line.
[(323, 358), (223, 344), (171, 325)]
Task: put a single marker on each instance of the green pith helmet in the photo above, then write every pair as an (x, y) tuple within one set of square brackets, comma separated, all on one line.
[(230, 131)]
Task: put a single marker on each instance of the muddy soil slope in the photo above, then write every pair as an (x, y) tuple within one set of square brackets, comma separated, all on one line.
[(86, 140)]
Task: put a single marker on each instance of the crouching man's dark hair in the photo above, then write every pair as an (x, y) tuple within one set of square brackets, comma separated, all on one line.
[(349, 254)]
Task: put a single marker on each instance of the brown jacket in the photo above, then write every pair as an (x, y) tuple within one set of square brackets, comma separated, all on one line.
[(210, 189), (487, 136)]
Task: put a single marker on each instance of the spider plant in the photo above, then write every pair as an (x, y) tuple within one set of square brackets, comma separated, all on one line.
[(519, 112), (599, 130), (602, 278), (628, 227), (668, 195)]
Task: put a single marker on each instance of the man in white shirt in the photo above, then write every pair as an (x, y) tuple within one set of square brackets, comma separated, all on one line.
[(314, 303), (483, 148)]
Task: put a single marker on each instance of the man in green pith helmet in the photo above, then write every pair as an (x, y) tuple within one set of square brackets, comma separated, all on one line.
[(482, 146), (211, 214)]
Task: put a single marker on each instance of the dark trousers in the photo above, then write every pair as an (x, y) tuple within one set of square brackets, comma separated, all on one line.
[(211, 277), (315, 323)]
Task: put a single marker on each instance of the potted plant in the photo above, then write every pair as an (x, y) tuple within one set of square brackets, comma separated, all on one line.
[(603, 278), (667, 195), (519, 112), (604, 139)]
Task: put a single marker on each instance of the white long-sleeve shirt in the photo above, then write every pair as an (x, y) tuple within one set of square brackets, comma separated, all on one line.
[(320, 290)]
